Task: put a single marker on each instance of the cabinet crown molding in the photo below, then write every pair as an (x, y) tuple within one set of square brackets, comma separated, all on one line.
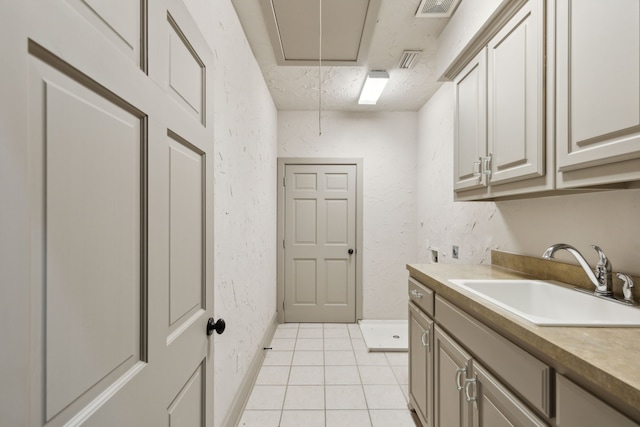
[(497, 20)]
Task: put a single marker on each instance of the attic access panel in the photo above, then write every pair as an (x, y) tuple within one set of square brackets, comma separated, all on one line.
[(347, 28)]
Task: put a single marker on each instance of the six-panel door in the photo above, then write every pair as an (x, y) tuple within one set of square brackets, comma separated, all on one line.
[(319, 246), (118, 172)]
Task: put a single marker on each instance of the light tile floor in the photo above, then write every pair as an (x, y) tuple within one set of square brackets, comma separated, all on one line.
[(322, 375)]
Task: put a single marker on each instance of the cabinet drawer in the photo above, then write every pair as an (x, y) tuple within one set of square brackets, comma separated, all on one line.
[(529, 377), (421, 296)]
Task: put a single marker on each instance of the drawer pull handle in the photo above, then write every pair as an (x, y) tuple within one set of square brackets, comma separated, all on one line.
[(459, 373), (467, 386), (425, 342), (416, 294)]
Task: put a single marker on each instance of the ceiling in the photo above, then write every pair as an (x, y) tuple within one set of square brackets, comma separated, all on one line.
[(291, 70)]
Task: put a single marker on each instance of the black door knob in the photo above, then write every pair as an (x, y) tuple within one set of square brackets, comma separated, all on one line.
[(350, 251), (215, 326)]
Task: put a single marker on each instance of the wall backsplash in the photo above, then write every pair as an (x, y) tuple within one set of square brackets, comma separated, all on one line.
[(387, 143), (527, 226)]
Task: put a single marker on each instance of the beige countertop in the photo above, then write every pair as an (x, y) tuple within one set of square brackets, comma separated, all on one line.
[(604, 360)]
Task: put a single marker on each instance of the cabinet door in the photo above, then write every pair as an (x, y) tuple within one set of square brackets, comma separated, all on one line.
[(470, 127), (515, 97), (576, 407), (450, 367), (421, 364), (495, 406), (598, 91)]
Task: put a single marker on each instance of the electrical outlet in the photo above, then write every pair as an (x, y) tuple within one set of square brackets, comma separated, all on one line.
[(434, 256), (454, 252)]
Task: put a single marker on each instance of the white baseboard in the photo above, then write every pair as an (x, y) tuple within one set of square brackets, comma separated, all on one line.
[(242, 395)]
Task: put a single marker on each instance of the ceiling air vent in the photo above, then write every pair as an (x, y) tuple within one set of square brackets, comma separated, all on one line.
[(436, 8), (409, 59)]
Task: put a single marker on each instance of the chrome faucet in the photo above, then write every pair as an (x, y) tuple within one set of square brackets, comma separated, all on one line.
[(627, 285), (601, 279)]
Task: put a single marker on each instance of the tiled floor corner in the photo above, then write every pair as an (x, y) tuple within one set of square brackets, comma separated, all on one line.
[(322, 375)]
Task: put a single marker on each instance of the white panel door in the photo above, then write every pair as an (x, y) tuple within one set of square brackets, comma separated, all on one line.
[(320, 237), (119, 277), (182, 66)]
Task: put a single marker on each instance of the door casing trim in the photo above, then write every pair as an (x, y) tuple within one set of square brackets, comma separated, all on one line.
[(283, 162)]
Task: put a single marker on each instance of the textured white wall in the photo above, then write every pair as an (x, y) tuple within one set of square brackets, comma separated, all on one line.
[(245, 162), (529, 226), (387, 144), (467, 20)]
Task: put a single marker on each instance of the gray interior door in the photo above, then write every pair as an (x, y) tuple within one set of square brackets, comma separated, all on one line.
[(320, 237), (114, 100)]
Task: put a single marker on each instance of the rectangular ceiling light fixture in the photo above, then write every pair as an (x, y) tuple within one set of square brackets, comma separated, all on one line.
[(373, 87)]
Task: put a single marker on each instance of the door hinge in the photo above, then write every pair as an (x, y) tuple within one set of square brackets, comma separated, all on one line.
[(486, 165), (283, 305), (283, 244), (284, 181)]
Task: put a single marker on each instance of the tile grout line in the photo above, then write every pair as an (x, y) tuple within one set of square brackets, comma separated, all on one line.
[(286, 389), (357, 365)]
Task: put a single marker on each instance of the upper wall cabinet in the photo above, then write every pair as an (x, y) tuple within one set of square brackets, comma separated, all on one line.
[(515, 97), (598, 92), (500, 144), (471, 124)]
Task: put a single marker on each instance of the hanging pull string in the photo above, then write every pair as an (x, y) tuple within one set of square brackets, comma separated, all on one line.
[(320, 76)]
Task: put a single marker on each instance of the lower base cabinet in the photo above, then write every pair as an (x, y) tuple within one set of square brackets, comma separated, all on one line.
[(448, 384), (451, 366), (421, 364), (493, 405), (464, 374), (467, 395), (578, 408)]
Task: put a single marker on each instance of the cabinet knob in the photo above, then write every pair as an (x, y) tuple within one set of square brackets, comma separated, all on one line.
[(416, 294)]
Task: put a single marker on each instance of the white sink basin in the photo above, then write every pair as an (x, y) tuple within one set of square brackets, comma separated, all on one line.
[(547, 304)]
